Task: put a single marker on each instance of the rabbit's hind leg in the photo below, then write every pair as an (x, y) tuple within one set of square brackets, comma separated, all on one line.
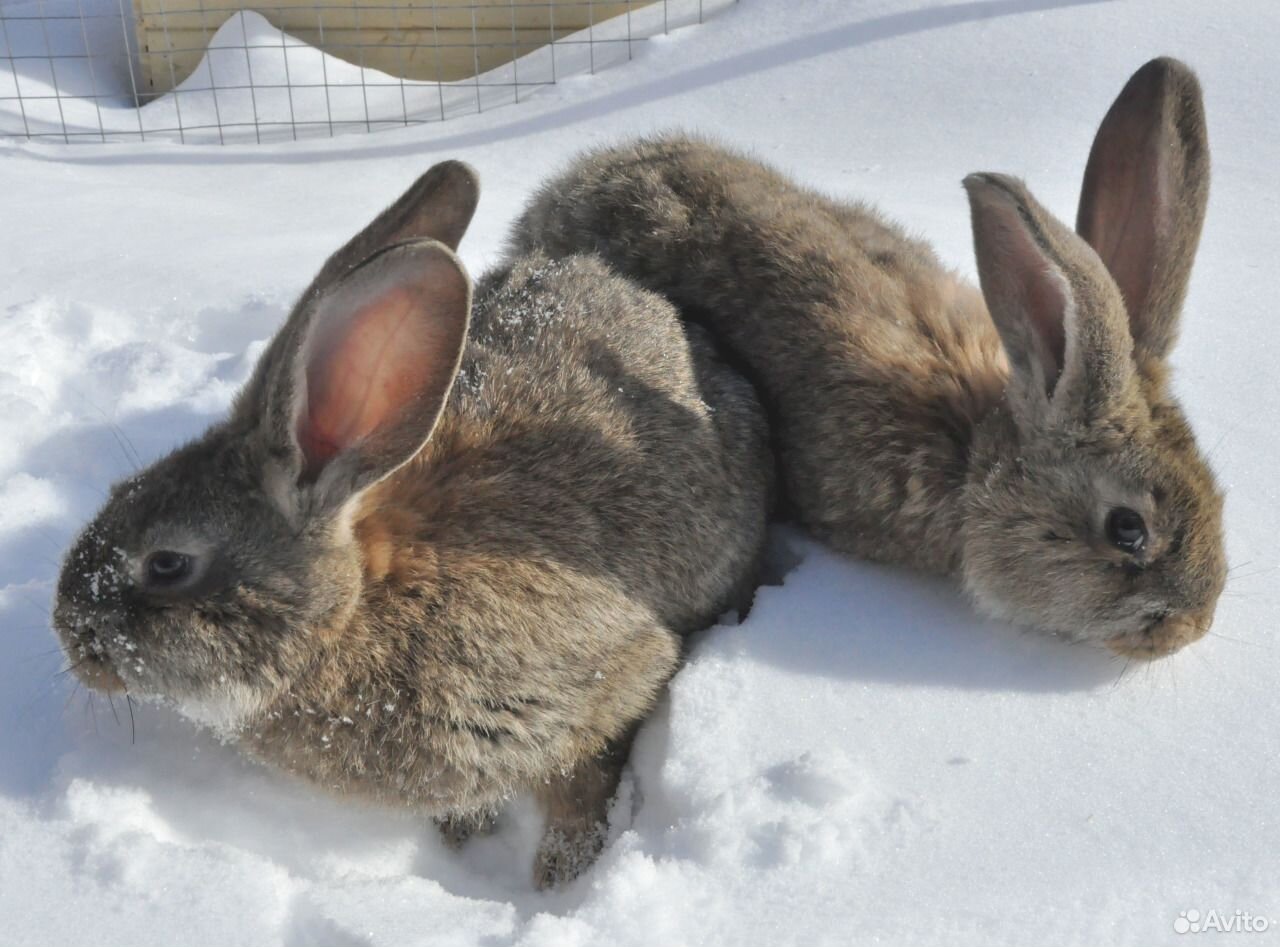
[(576, 805)]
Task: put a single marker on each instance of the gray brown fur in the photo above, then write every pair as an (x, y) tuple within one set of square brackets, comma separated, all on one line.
[(498, 610), (904, 432)]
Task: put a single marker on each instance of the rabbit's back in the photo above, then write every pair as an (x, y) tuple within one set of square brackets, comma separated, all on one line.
[(823, 303), (637, 448)]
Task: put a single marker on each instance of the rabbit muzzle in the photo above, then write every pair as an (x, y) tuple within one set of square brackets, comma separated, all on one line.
[(1166, 635), (90, 661)]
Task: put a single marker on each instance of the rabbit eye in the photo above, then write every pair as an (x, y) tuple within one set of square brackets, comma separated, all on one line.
[(1126, 530), (165, 567)]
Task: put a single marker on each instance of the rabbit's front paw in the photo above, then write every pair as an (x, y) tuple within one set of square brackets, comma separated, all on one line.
[(456, 830)]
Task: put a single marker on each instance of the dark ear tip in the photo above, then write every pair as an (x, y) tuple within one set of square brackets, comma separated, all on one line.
[(458, 176), (986, 186), (1164, 74), (460, 171), (1166, 68), (976, 180)]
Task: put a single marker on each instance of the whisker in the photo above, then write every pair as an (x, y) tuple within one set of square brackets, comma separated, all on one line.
[(1244, 641), (1127, 661), (133, 732), (1214, 450), (126, 445), (1254, 575), (118, 434), (130, 453), (75, 690), (39, 655), (41, 690), (55, 564), (71, 667), (1221, 463), (1199, 653), (55, 544), (42, 607), (112, 704)]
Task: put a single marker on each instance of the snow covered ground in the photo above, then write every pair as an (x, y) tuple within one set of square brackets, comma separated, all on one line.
[(861, 761)]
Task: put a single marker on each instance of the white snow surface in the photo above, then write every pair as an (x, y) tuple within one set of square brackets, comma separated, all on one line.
[(863, 760)]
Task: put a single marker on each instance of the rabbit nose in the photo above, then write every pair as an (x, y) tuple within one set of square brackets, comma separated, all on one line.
[(98, 675), (1168, 633), (90, 662), (90, 638), (84, 634)]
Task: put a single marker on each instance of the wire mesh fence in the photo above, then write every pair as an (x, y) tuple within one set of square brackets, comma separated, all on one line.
[(226, 71)]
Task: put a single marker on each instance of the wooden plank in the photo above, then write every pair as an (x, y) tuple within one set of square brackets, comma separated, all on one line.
[(184, 41), (382, 14), (419, 39), (444, 55)]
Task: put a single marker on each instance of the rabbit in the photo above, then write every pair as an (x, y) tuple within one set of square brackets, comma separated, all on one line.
[(445, 548), (1021, 438)]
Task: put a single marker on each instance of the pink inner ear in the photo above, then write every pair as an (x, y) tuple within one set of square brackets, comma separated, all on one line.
[(364, 369), (1124, 204), (1019, 267), (1046, 308)]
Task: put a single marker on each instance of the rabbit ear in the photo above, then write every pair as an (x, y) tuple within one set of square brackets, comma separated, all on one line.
[(1143, 200), (365, 386), (438, 206), (1056, 309)]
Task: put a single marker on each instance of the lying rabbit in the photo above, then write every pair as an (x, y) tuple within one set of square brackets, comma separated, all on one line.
[(434, 565), (1023, 438)]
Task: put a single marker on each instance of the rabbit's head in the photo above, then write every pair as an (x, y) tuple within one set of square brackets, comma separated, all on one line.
[(222, 570), (1091, 510)]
